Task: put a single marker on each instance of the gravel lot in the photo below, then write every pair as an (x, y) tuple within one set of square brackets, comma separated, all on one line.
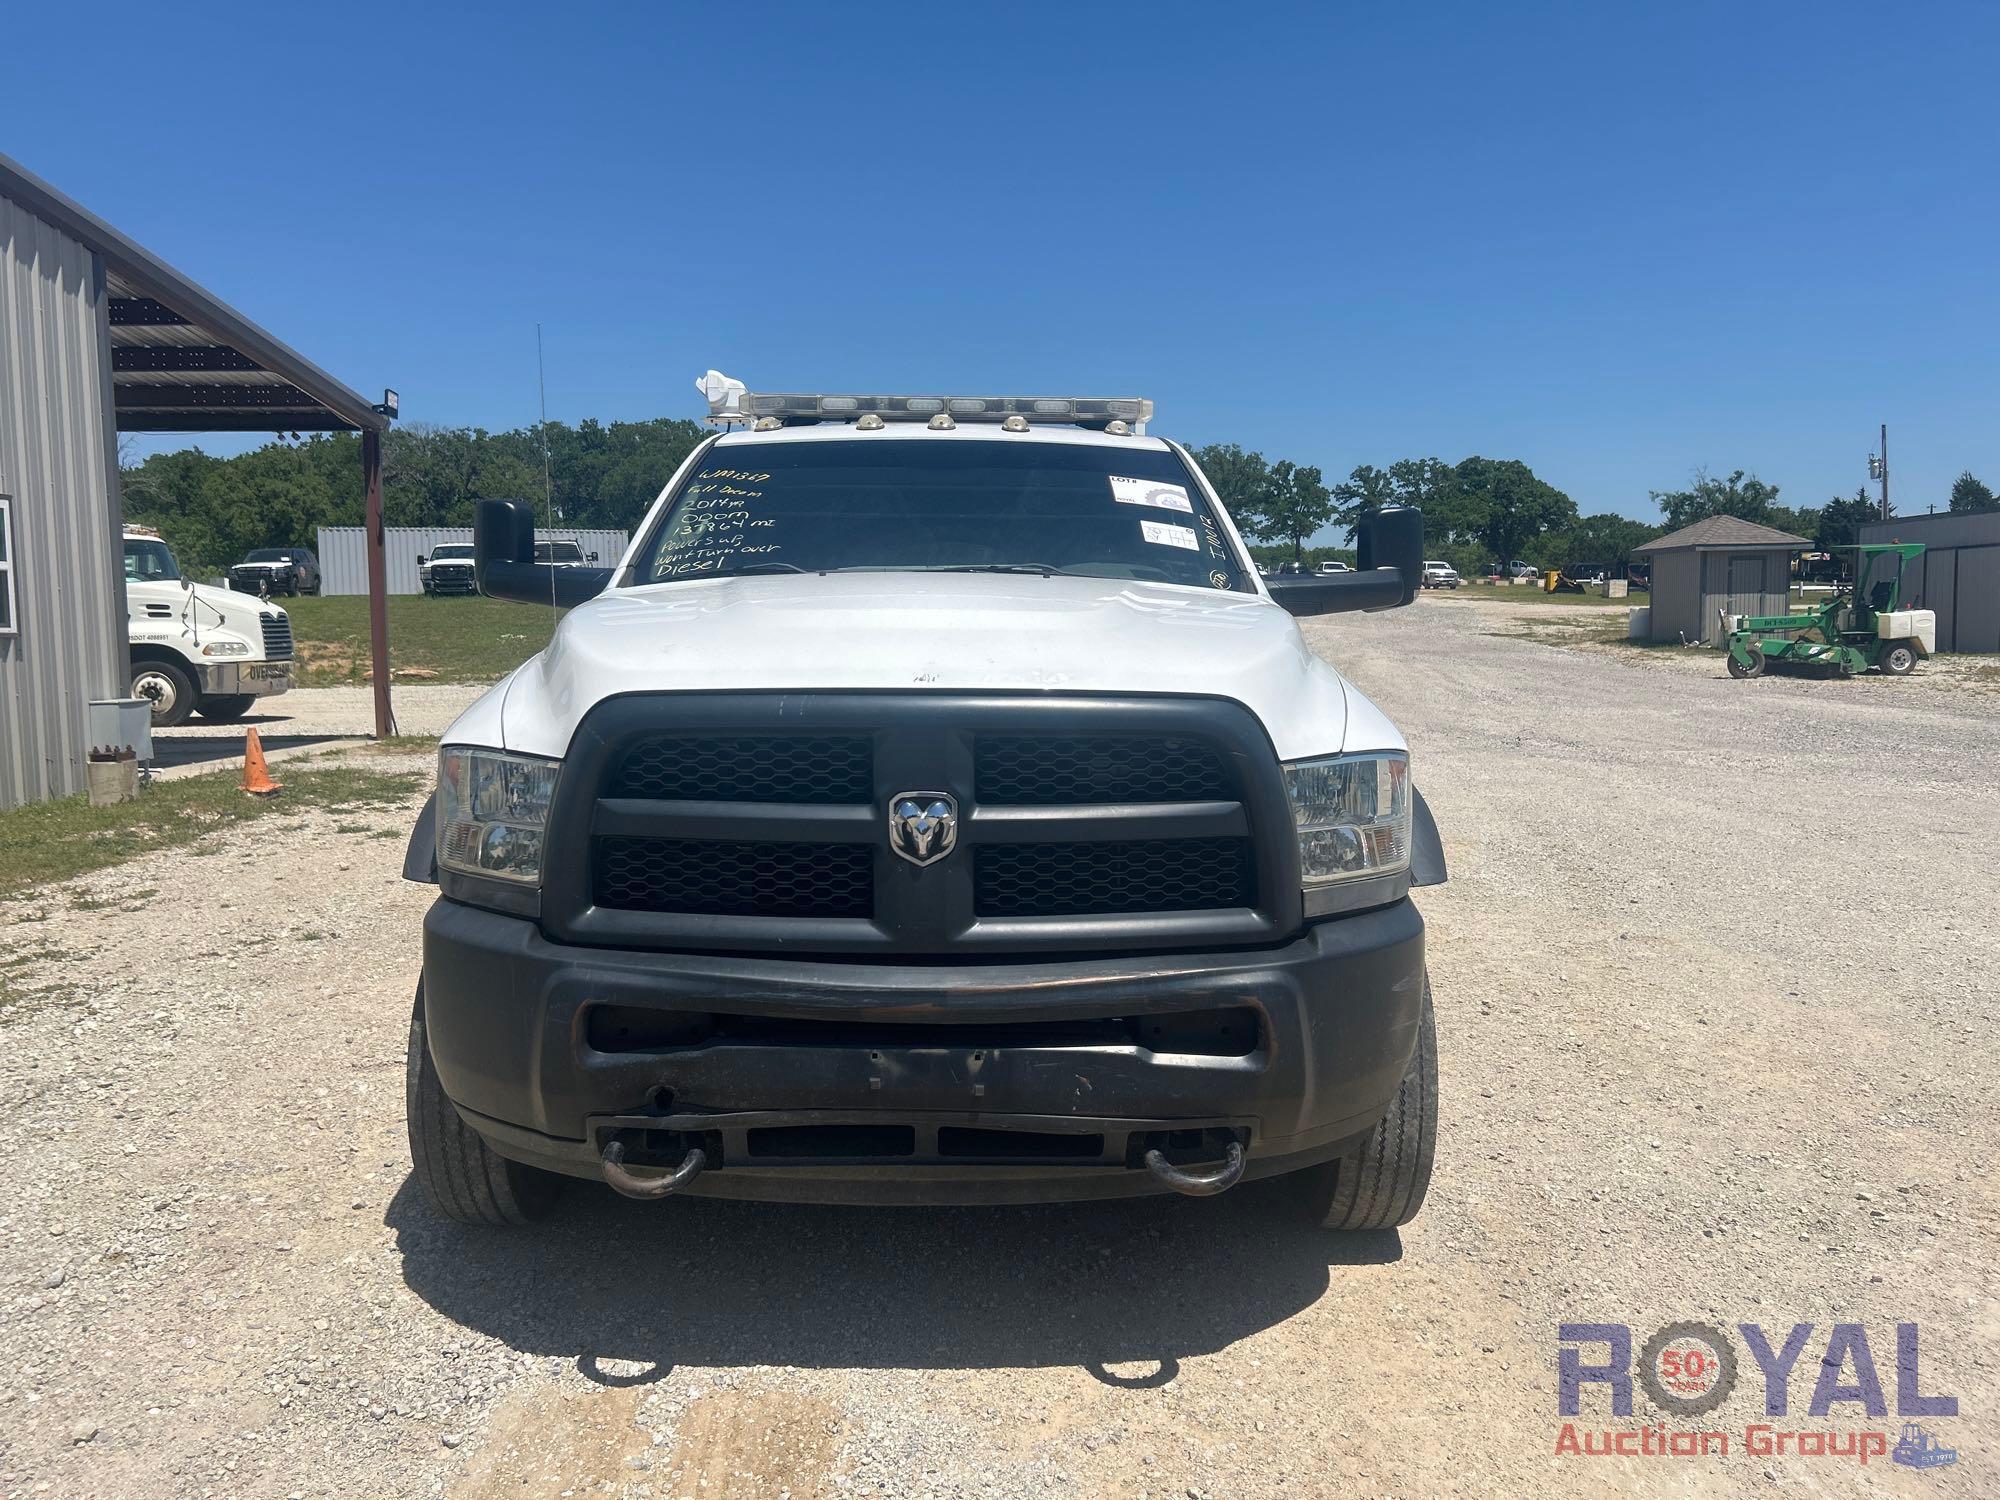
[(1716, 1006)]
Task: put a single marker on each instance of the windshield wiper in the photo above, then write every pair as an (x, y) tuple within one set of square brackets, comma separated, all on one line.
[(747, 568), (1046, 570)]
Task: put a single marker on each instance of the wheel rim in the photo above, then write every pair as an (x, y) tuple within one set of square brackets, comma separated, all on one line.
[(1901, 659), (159, 688)]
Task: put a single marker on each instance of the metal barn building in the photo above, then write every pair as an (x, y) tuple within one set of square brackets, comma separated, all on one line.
[(99, 337), (343, 560), (1716, 567), (1958, 576)]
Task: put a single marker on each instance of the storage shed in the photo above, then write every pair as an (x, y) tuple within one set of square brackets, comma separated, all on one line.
[(97, 337), (1717, 567), (1958, 576)]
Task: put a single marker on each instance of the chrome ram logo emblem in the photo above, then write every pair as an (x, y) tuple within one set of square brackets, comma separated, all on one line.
[(923, 826)]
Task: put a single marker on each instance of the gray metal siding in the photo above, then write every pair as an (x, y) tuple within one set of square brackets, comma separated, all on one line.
[(55, 439), (1693, 589), (1676, 595), (343, 555), (1958, 576), (1945, 529), (1743, 583)]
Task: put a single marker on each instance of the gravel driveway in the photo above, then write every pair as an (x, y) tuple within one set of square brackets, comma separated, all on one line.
[(1715, 980)]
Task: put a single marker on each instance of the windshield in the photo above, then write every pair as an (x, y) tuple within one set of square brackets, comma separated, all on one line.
[(973, 505), (451, 551), (558, 552), (269, 554), (150, 562)]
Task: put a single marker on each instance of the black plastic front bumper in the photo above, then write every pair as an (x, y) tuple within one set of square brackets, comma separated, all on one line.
[(857, 1082)]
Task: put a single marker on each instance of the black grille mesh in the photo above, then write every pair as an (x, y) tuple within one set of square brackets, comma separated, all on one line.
[(712, 878), (1021, 770), (1095, 879), (796, 769)]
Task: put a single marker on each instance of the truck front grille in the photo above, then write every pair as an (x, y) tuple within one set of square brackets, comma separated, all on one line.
[(1101, 879), (706, 877), (762, 822), (277, 637), (798, 769), (1021, 771)]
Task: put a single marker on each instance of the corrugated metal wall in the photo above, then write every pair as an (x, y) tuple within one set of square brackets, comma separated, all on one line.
[(1958, 577), (56, 463), (343, 557)]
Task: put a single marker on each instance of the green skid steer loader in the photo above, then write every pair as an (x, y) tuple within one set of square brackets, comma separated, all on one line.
[(1858, 627)]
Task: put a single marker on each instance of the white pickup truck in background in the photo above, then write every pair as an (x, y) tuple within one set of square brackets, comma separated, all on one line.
[(197, 649)]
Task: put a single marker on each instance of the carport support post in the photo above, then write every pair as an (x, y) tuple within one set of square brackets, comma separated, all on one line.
[(378, 582)]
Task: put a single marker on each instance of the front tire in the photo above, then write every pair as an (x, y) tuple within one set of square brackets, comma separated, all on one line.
[(170, 689), (1380, 1182), (1755, 667), (1900, 660), (225, 710), (461, 1176)]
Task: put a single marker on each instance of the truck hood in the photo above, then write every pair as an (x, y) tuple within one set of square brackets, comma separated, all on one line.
[(963, 632), (191, 615)]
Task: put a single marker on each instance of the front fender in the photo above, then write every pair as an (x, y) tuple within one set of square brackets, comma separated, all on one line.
[(1426, 848), (420, 859)]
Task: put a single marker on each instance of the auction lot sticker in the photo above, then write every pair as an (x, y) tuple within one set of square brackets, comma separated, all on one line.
[(1169, 536), (1153, 492)]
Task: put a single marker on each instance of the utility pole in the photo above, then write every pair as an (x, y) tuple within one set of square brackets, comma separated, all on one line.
[(1878, 468), (1885, 471)]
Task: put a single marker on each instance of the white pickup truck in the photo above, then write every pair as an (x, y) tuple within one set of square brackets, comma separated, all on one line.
[(197, 649), (933, 805)]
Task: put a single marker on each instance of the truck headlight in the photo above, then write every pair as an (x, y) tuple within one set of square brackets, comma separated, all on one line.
[(1353, 816), (225, 648), (492, 810)]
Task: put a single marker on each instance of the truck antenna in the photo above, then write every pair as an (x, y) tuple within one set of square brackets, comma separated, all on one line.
[(548, 481)]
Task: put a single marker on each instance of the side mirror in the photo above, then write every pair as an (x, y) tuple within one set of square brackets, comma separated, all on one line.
[(590, 557), (503, 560), (420, 559), (1389, 569)]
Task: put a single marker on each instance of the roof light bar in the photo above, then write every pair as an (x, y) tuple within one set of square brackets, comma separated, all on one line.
[(730, 402)]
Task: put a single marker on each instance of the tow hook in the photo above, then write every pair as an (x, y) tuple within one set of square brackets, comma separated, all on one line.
[(624, 1180), (1198, 1184)]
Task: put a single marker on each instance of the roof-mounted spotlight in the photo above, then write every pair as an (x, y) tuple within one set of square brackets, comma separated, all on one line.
[(389, 405)]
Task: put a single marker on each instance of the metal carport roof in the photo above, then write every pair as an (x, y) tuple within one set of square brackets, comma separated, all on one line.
[(182, 360)]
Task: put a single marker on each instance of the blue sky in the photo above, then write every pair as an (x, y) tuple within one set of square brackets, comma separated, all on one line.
[(1616, 242)]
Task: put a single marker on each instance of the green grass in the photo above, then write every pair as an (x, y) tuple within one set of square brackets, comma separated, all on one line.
[(49, 842), (467, 639)]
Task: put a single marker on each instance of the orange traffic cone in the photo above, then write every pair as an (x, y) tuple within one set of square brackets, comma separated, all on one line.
[(256, 775)]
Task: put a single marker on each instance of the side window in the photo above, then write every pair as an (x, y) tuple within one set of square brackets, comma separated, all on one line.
[(8, 615)]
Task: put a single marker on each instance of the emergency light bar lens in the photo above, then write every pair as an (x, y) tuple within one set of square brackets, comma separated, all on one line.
[(1088, 410)]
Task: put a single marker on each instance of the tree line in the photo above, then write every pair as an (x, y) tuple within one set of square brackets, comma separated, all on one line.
[(1482, 513), (213, 510), (1478, 513)]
